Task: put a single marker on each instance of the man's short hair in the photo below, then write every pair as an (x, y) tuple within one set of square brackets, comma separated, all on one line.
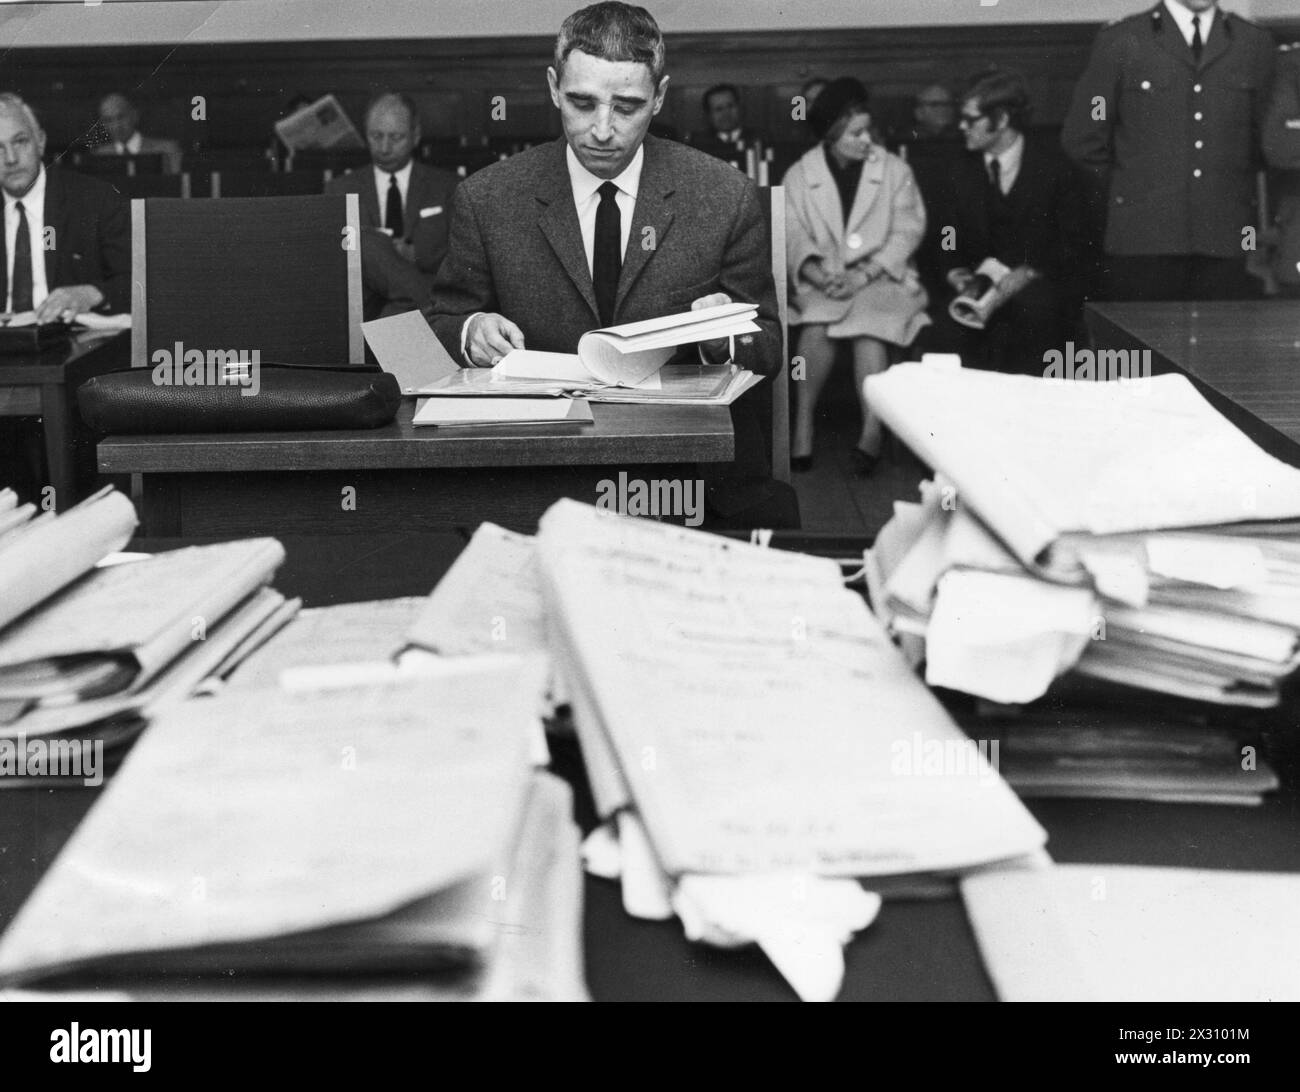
[(13, 104), (612, 32), (412, 110), (719, 89), (1002, 91)]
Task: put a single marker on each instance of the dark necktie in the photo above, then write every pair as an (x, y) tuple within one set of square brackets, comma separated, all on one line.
[(995, 176), (22, 282), (607, 254), (393, 210), (1198, 44)]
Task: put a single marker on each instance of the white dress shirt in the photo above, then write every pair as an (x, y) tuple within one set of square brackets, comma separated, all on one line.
[(1008, 163), (34, 208), (132, 146), (1183, 18), (586, 199), (381, 188)]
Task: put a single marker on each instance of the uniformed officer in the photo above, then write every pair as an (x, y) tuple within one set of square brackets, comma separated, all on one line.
[(1282, 150), (1168, 115)]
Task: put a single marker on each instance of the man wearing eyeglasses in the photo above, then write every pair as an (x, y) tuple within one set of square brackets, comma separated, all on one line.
[(1168, 117), (1016, 217)]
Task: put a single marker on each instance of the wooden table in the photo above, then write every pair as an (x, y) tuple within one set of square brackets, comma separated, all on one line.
[(1244, 356), (44, 385), (399, 477)]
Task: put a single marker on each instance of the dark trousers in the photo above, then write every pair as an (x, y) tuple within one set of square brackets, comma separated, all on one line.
[(1016, 339), (1149, 277)]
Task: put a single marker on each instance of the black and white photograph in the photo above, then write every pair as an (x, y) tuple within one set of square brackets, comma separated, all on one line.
[(716, 501)]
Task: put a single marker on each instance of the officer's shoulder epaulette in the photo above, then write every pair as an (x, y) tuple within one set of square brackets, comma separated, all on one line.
[(1155, 15)]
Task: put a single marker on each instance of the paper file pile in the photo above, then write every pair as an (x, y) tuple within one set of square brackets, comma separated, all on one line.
[(747, 728), (1122, 531), (89, 647), (384, 841)]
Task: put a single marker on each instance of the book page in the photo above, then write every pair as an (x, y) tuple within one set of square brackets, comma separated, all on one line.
[(406, 347), (1036, 458), (259, 814), (761, 716)]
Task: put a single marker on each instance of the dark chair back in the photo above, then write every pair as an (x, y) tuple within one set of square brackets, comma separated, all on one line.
[(280, 275)]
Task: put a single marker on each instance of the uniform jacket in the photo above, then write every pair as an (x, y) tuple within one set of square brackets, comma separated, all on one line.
[(426, 215), (91, 235), (886, 222), (1176, 145), (1282, 150), (516, 249)]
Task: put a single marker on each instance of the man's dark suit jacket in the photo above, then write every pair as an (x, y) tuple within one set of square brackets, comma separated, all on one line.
[(698, 228), (1175, 144), (1043, 224), (516, 249), (91, 239), (425, 215)]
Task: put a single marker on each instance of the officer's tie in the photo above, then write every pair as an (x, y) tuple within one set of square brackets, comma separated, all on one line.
[(1198, 43), (607, 253)]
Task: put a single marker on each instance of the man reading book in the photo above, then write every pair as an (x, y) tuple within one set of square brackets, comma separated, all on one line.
[(609, 225)]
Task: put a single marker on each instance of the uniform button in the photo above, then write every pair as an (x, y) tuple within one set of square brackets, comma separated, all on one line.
[(1200, 144), (1198, 115), (1146, 85), (1197, 88), (1196, 173)]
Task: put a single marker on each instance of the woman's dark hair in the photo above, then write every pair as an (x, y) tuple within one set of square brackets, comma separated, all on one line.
[(838, 101)]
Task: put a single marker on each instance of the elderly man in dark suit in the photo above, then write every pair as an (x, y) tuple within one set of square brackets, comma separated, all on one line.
[(405, 210), (65, 250), (609, 225), (120, 121), (1168, 116), (67, 238), (1015, 205)]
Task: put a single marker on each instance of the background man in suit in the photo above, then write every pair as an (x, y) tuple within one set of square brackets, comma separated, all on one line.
[(609, 225), (120, 120), (405, 210), (1167, 115), (1020, 202), (726, 130), (1282, 150), (65, 249)]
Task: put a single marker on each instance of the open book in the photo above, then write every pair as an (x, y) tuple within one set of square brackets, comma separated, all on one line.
[(632, 354)]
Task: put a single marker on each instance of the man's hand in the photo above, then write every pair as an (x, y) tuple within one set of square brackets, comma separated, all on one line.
[(719, 349), (64, 304), (490, 337)]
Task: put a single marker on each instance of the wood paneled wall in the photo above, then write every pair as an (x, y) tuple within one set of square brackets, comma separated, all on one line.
[(455, 81)]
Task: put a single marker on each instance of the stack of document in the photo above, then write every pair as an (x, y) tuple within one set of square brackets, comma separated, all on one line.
[(755, 739), (83, 643), (1122, 531), (394, 829)]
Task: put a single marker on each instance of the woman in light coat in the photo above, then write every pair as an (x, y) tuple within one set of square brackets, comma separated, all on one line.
[(854, 217)]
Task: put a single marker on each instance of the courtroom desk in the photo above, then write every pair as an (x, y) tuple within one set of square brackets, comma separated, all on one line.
[(44, 385), (917, 949), (1244, 356), (403, 477)]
